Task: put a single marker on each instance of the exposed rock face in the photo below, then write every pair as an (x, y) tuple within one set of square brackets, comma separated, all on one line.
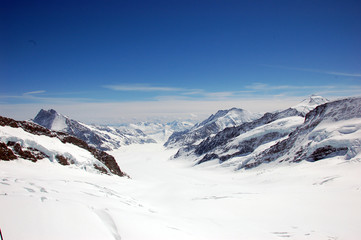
[(13, 150), (6, 153)]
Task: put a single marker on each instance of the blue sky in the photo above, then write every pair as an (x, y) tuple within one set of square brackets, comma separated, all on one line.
[(63, 54)]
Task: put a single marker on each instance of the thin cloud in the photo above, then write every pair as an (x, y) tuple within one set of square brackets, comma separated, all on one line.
[(267, 87), (315, 70), (34, 92), (142, 88)]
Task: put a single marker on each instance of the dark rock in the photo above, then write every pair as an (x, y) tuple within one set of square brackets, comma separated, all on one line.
[(327, 151), (6, 153), (63, 160)]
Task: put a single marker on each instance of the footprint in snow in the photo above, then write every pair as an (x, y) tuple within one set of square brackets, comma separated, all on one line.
[(326, 180), (108, 221), (282, 234), (29, 190)]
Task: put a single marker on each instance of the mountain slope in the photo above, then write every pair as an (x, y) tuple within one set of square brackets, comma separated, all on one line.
[(27, 140), (101, 137), (243, 139), (215, 123), (331, 129)]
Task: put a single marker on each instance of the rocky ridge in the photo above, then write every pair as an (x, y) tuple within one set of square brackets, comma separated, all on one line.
[(13, 147)]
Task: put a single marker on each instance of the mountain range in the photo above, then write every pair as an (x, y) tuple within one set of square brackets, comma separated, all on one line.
[(101, 137), (212, 125), (313, 130)]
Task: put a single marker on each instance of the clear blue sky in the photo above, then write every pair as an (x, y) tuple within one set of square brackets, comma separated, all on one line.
[(60, 52)]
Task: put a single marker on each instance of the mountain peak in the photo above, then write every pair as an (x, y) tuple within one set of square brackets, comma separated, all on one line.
[(51, 120), (310, 103)]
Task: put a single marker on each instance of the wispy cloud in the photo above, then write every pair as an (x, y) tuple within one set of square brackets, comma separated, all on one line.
[(336, 73), (267, 87), (142, 88), (34, 92)]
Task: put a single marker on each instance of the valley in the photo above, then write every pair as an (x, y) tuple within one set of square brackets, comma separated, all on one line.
[(170, 199)]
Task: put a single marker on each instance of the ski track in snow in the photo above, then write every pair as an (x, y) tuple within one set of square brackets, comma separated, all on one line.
[(171, 199)]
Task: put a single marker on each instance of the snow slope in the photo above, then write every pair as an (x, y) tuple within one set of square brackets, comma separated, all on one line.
[(171, 200)]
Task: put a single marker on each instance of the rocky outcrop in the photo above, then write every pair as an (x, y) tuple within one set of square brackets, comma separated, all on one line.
[(13, 150)]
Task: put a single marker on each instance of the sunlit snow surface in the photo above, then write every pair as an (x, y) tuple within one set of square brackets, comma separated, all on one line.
[(169, 199)]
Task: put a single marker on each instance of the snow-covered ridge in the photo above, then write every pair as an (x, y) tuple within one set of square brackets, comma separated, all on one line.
[(27, 140), (101, 137), (331, 129), (243, 139), (310, 103), (215, 123)]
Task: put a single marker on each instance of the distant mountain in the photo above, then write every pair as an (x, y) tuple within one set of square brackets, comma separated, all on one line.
[(212, 125), (161, 131), (310, 103), (27, 140), (253, 143), (101, 137), (244, 138)]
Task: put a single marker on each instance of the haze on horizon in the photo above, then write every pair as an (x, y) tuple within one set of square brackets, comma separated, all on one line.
[(120, 61)]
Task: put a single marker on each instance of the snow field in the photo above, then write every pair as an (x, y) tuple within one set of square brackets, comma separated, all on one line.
[(169, 199)]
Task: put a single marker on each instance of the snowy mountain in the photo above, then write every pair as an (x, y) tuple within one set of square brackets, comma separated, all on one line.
[(215, 123), (27, 140), (243, 145), (101, 137), (243, 139), (331, 129), (310, 103), (161, 131)]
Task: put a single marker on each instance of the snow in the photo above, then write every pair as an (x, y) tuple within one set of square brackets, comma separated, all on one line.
[(284, 125), (169, 199), (228, 118), (309, 104), (59, 123), (51, 147)]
